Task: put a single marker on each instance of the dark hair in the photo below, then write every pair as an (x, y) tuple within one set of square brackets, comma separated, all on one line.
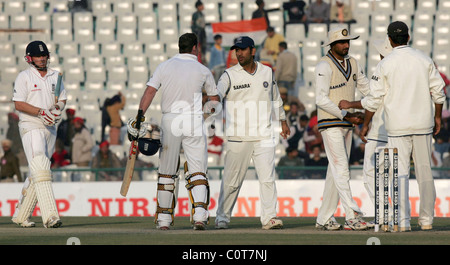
[(198, 3), (283, 44), (186, 42), (304, 117), (400, 39), (217, 36)]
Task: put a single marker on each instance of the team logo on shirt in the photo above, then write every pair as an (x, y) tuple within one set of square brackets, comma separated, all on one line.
[(265, 84), (354, 77)]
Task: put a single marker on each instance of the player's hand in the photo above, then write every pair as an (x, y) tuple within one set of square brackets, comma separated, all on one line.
[(285, 131), (56, 111), (47, 118), (363, 133), (344, 104), (437, 125), (131, 128), (356, 118)]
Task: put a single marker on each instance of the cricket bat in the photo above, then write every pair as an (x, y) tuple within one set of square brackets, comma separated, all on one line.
[(58, 87), (129, 169)]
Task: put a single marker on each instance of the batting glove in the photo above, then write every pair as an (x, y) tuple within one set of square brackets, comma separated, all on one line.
[(131, 127), (48, 119)]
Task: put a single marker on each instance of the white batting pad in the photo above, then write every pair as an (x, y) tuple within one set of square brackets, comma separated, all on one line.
[(27, 202), (41, 177)]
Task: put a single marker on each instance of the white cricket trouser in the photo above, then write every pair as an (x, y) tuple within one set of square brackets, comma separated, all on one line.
[(237, 159), (185, 131), (338, 144), (37, 142), (420, 148)]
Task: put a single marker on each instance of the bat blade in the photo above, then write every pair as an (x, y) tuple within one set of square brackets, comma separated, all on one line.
[(129, 169), (58, 87)]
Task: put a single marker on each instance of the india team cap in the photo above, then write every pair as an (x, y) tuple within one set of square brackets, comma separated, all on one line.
[(338, 34), (383, 46), (397, 28), (243, 42)]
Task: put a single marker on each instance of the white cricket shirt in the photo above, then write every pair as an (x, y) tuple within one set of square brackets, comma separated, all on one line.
[(181, 80), (408, 84), (38, 91), (252, 100), (324, 86)]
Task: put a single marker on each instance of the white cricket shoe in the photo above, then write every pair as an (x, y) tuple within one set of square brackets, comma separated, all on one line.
[(54, 222), (330, 225), (273, 223), (27, 223), (221, 225), (356, 223), (199, 225)]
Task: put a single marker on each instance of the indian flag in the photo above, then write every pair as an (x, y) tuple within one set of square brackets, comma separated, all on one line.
[(254, 28)]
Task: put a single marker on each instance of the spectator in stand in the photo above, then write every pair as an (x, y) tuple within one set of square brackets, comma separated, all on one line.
[(297, 122), (442, 144), (341, 12), (313, 136), (288, 99), (82, 144), (117, 129), (107, 160), (198, 27), (286, 69), (261, 12), (295, 10), (271, 47), (318, 12), (316, 159), (60, 157), (291, 159), (217, 61), (10, 169), (13, 134), (357, 152), (66, 131)]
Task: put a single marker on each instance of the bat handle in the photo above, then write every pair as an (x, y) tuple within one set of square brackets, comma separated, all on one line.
[(138, 119)]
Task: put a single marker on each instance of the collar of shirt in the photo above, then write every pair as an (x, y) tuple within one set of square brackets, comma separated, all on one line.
[(49, 72), (240, 68), (401, 47), (186, 56)]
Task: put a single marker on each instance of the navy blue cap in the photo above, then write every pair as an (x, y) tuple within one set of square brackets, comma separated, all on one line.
[(243, 42)]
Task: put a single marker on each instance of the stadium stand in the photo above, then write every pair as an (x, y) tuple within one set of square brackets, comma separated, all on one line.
[(116, 45)]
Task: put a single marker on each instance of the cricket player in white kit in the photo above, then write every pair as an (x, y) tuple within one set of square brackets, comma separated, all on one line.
[(251, 99), (181, 80), (337, 76), (376, 137), (34, 98), (408, 85)]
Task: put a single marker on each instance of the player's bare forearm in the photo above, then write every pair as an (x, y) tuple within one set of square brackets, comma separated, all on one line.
[(345, 104), (147, 98), (26, 108), (285, 131), (368, 117), (437, 118)]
